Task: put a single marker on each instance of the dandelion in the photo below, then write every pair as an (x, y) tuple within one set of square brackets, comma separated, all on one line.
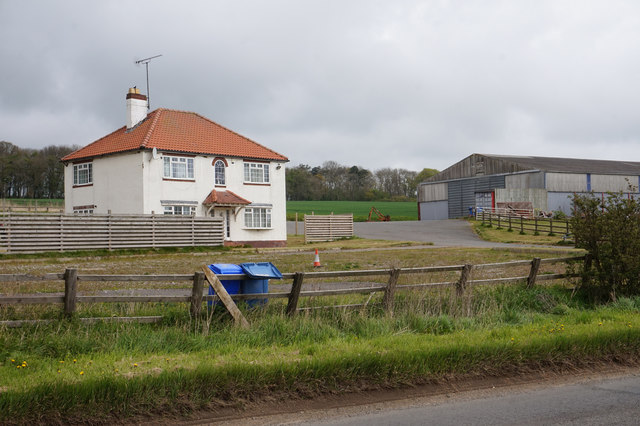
[(82, 373), (75, 360), (58, 371), (18, 367), (600, 323), (13, 360), (61, 362), (135, 364), (116, 370)]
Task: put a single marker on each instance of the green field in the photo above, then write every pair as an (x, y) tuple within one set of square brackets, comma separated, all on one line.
[(403, 210)]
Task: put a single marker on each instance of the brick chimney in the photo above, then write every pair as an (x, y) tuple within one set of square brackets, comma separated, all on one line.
[(136, 107)]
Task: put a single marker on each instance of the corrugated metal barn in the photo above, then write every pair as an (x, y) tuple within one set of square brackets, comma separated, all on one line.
[(544, 183)]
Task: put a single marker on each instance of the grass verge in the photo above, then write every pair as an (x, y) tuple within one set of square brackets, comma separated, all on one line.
[(503, 235), (71, 372)]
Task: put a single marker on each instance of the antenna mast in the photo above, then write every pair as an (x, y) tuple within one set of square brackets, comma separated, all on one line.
[(146, 61)]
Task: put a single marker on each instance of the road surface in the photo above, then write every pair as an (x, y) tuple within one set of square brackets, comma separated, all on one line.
[(581, 401), (442, 233)]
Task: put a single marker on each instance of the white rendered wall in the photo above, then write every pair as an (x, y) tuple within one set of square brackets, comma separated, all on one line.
[(117, 185)]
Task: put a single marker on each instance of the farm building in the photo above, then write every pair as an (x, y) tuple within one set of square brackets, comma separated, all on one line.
[(542, 183)]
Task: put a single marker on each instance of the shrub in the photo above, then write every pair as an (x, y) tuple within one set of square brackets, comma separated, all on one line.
[(609, 229)]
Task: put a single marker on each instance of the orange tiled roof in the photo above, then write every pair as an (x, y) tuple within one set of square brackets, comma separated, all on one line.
[(224, 198), (177, 131)]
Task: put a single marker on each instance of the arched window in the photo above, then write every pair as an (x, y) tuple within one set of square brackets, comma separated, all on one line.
[(218, 168)]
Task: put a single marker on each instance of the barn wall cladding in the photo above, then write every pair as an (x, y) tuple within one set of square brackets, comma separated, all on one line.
[(462, 193), (481, 180)]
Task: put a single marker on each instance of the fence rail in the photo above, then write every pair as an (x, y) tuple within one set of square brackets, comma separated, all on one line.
[(327, 227), (71, 278), (24, 232), (522, 224)]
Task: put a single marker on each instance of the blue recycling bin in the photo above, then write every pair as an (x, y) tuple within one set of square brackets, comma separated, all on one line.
[(257, 280), (232, 286)]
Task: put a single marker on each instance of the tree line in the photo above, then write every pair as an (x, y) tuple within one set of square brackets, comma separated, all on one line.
[(32, 173), (335, 182), (38, 173)]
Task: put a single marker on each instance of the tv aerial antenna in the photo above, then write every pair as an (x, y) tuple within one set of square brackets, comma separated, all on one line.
[(146, 61)]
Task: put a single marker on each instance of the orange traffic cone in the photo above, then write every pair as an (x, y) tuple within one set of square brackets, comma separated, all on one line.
[(316, 262)]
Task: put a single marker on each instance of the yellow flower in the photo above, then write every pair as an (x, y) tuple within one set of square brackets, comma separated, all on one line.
[(13, 360), (135, 364), (58, 370), (600, 323), (61, 362), (82, 373), (116, 370), (75, 360)]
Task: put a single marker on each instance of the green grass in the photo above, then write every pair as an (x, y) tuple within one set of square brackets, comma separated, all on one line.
[(403, 210), (504, 235), (111, 371)]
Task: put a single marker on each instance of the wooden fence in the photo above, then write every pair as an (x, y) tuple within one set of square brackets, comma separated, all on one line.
[(195, 299), (327, 227), (30, 206), (24, 232), (518, 223)]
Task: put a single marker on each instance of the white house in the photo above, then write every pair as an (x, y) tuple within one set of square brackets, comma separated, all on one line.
[(181, 163)]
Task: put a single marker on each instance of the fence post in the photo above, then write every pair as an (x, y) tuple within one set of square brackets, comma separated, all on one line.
[(9, 231), (535, 227), (196, 294), (510, 229), (586, 276), (533, 273), (550, 226), (292, 305), (70, 287), (521, 226), (109, 231), (61, 232), (498, 220), (567, 226), (464, 277), (390, 291)]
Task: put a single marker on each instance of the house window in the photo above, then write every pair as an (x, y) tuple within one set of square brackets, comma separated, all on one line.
[(180, 210), (257, 217), (82, 211), (178, 167), (218, 169), (256, 172), (83, 174)]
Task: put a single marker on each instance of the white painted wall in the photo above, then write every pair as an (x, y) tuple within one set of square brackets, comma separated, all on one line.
[(117, 185)]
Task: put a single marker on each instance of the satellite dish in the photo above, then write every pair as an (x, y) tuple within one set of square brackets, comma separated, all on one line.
[(154, 153)]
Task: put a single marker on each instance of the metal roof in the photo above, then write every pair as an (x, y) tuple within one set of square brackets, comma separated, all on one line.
[(572, 165)]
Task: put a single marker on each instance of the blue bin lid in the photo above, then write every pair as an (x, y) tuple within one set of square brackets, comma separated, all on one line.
[(261, 270), (225, 269)]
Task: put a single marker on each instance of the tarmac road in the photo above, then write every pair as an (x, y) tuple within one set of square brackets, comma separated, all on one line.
[(442, 233), (584, 401)]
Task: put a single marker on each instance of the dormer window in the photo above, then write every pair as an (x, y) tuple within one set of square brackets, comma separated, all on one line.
[(218, 170)]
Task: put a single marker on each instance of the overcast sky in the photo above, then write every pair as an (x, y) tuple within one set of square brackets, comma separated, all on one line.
[(408, 84)]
